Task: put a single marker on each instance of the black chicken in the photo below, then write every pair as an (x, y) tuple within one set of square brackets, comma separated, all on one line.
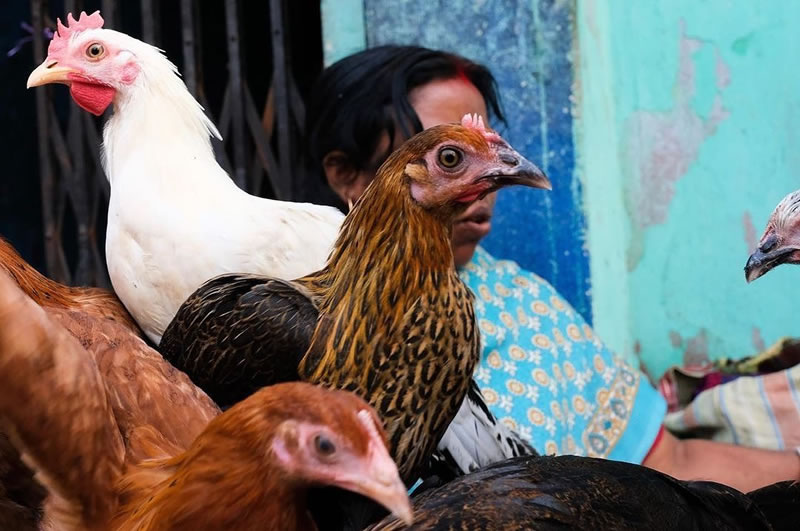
[(571, 492)]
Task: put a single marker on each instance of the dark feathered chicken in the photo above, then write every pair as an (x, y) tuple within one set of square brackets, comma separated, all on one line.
[(582, 493), (396, 323), (238, 333), (780, 243), (266, 345)]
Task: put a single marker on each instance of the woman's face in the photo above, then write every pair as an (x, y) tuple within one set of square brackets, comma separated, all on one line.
[(443, 101), (440, 101)]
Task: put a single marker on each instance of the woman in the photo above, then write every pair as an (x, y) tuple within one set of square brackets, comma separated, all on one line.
[(542, 368)]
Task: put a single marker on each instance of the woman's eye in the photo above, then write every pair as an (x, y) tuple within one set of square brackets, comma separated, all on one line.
[(450, 157), (95, 50)]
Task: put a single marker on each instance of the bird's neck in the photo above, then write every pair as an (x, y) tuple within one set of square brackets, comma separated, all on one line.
[(153, 123), (390, 253), (388, 236), (206, 492)]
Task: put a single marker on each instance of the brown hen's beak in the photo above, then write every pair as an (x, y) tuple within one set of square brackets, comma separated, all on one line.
[(376, 477), (514, 169), (768, 256), (49, 72)]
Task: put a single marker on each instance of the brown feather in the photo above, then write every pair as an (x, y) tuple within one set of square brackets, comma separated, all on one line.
[(140, 387), (55, 410), (47, 293)]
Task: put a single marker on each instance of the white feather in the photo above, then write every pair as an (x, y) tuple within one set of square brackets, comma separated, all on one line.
[(476, 439), (175, 218)]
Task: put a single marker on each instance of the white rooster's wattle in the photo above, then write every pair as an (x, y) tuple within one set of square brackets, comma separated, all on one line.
[(175, 217)]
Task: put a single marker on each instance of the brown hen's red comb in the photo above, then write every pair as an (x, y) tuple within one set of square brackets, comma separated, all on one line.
[(475, 122), (84, 22)]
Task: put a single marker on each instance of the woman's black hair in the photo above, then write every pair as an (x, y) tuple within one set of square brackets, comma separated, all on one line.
[(359, 97)]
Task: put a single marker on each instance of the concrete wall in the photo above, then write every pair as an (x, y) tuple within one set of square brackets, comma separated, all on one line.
[(681, 117)]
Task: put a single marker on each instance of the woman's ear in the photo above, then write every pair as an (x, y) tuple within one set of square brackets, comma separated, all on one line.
[(340, 174)]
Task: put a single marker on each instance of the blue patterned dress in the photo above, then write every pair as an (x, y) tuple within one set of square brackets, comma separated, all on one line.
[(545, 373)]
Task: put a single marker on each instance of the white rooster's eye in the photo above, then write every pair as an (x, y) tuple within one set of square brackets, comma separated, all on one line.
[(95, 51)]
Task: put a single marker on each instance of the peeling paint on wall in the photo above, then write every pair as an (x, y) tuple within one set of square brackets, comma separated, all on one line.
[(750, 234), (758, 341), (695, 351), (660, 146)]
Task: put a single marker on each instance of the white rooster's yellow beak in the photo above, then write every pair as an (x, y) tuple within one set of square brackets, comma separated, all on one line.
[(49, 72)]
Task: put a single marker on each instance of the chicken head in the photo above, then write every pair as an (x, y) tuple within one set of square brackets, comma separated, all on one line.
[(780, 243), (464, 165), (95, 63)]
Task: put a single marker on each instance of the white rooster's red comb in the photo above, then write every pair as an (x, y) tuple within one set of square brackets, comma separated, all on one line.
[(475, 122), (63, 33)]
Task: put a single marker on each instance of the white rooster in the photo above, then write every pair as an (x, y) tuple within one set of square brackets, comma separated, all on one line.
[(175, 218)]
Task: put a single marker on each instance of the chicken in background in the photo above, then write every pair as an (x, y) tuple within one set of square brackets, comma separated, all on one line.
[(248, 467), (569, 492), (396, 323), (780, 243), (175, 218)]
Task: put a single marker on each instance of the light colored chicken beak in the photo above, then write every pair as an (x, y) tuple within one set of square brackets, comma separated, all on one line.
[(48, 72), (379, 480)]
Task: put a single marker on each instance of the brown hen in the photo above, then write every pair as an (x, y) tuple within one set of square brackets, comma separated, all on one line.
[(248, 468)]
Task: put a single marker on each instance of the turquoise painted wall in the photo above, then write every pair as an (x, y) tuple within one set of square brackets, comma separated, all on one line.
[(684, 125), (687, 138)]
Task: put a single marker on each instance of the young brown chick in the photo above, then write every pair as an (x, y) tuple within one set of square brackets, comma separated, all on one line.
[(396, 324), (248, 469), (780, 243)]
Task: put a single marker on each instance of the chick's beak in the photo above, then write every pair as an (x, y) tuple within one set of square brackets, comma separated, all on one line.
[(49, 72), (376, 477), (768, 256), (514, 169)]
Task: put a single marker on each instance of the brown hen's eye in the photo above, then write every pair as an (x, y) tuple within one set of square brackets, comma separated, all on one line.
[(450, 157), (95, 50), (324, 445)]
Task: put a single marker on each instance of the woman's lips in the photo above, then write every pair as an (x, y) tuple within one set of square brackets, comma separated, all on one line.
[(471, 229), (474, 224)]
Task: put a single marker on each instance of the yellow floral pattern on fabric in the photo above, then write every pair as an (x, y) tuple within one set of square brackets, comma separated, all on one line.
[(544, 373)]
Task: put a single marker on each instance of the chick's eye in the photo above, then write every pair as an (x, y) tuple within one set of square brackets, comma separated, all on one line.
[(324, 445), (95, 50), (450, 157)]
